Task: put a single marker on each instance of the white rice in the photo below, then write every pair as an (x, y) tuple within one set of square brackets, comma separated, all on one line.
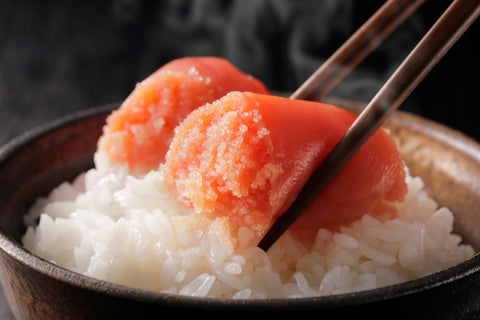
[(129, 230)]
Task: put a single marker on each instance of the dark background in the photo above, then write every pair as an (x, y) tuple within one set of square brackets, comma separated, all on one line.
[(57, 57), (60, 56)]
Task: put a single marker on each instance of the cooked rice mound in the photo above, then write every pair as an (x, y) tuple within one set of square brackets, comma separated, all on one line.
[(129, 230)]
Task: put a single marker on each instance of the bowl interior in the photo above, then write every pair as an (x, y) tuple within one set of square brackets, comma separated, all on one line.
[(447, 160), (41, 159)]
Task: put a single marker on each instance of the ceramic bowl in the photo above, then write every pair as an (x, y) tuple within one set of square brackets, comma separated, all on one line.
[(39, 160)]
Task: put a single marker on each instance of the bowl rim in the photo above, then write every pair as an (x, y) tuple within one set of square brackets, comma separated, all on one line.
[(17, 251)]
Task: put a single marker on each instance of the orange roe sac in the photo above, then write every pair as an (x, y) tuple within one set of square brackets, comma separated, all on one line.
[(247, 156), (139, 132), (222, 159)]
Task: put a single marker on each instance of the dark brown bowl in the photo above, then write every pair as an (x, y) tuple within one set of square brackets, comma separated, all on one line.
[(36, 162)]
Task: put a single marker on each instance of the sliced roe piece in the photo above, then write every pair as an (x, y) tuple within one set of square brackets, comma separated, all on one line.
[(248, 155), (139, 132)]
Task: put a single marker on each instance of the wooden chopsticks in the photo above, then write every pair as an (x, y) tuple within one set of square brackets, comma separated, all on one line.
[(439, 39)]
